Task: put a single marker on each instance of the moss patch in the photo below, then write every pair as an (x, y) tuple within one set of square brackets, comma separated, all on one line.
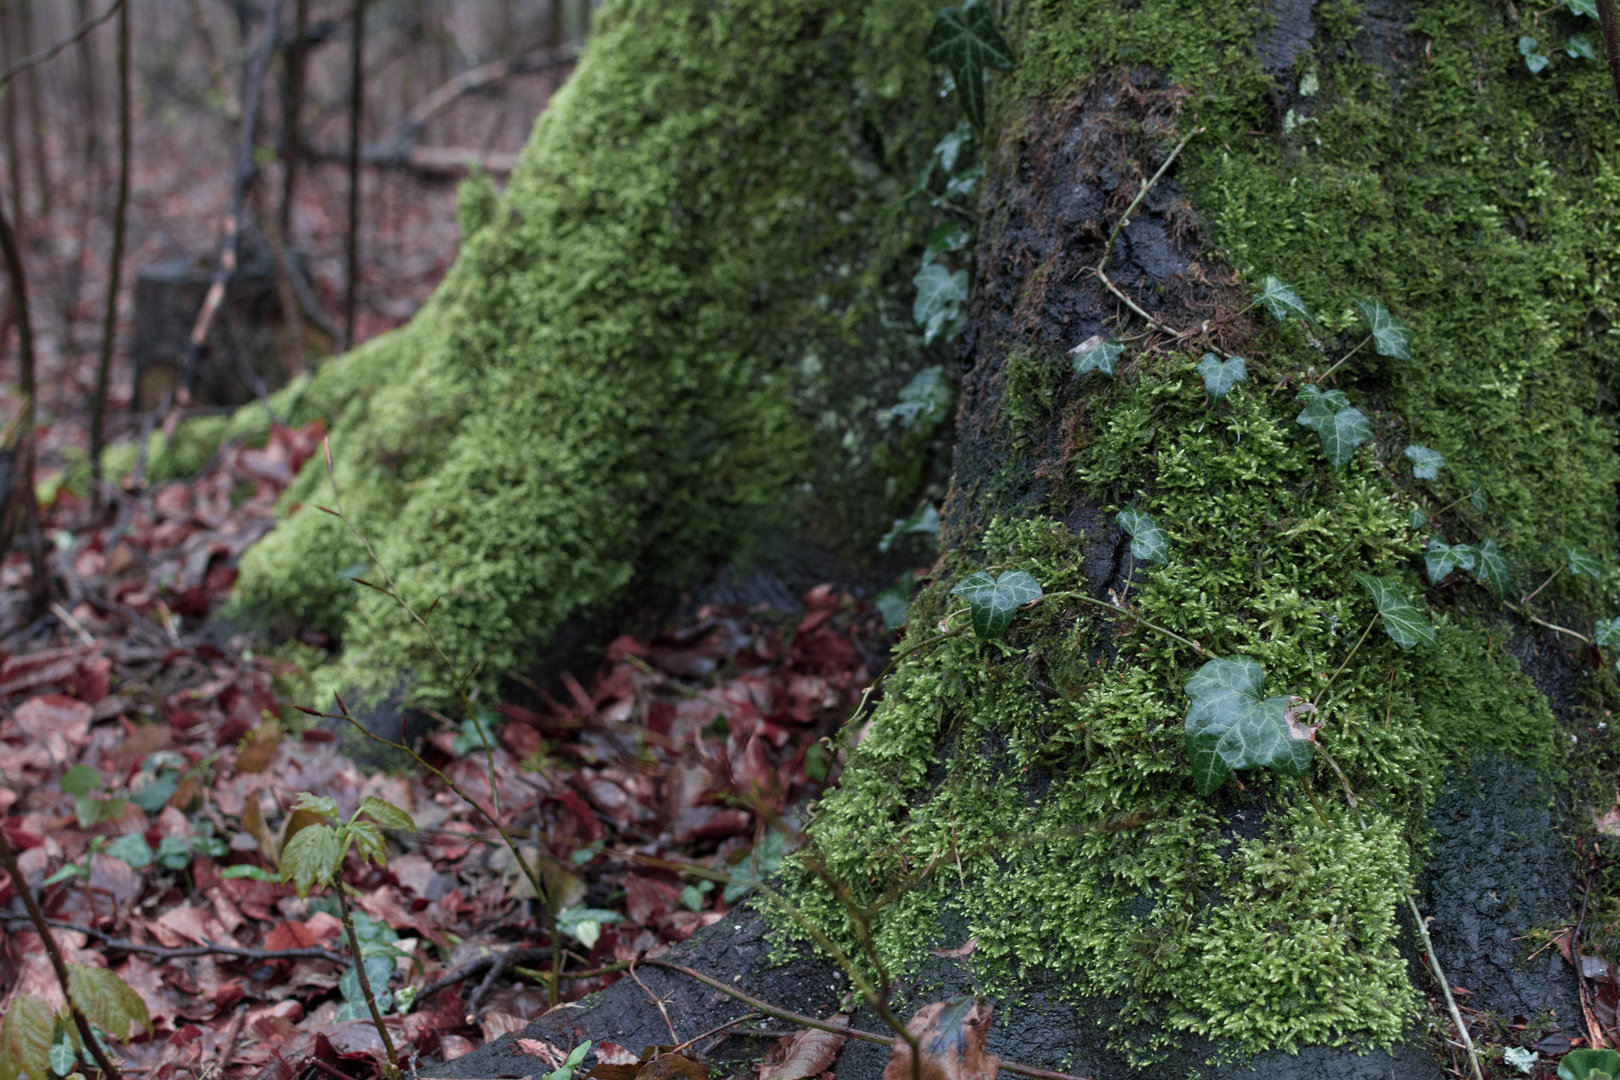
[(670, 339)]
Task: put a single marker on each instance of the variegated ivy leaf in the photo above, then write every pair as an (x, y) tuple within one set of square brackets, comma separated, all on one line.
[(1416, 519), (1148, 541), (967, 42), (1402, 622), (1480, 500), (1441, 560), (1340, 426), (1493, 568), (993, 601), (1229, 726), (1426, 463), (1580, 47), (1582, 7), (1096, 353), (1582, 561), (1391, 337), (1282, 301), (1220, 376), (1608, 632)]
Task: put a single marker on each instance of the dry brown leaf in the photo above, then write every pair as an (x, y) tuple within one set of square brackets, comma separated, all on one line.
[(809, 1053), (951, 1036), (496, 1024), (611, 1053)]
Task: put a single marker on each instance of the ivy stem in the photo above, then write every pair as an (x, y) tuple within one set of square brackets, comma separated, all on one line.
[(1129, 614), (1124, 220), (1550, 626), (1543, 585), (19, 885), (1347, 659), (1337, 364), (894, 661), (390, 1069)]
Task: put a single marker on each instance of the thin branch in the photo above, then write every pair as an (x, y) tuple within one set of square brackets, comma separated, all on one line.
[(389, 1066), (161, 953), (19, 885), (1125, 219), (1534, 593), (39, 583), (109, 323), (40, 57), (357, 84), (1340, 362), (1550, 626)]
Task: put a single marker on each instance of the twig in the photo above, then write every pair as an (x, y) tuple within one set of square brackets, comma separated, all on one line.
[(1445, 988), (39, 58), (312, 953), (72, 624), (500, 964), (1537, 590), (1594, 1030), (1610, 24), (1125, 219), (1550, 626), (357, 84), (109, 323), (223, 1062), (743, 1019), (1340, 362), (245, 169), (658, 1001), (390, 1067), (19, 885), (502, 960), (1347, 659), (837, 1029)]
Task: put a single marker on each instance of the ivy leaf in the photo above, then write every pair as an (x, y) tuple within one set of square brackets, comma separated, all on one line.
[(317, 804), (1148, 541), (584, 924), (1582, 561), (967, 42), (1096, 353), (64, 1057), (993, 601), (1402, 622), (1426, 463), (1441, 560), (1534, 58), (1493, 569), (1220, 376), (107, 1001), (1280, 300), (1416, 519), (386, 813), (1582, 7), (131, 848), (926, 398), (1608, 632), (312, 858), (1391, 337), (1310, 394), (1340, 426), (1229, 726), (1579, 47), (940, 296), (25, 1038), (1479, 499)]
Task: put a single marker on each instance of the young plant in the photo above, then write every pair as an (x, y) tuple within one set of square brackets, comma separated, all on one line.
[(1339, 425), (1589, 1065), (314, 859)]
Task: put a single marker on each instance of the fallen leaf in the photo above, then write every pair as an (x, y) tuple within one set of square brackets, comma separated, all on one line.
[(951, 1036), (611, 1053), (809, 1053), (495, 1024)]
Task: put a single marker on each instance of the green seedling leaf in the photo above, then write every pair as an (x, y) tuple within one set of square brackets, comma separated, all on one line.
[(1587, 1064), (1341, 427), (476, 733), (762, 862), (64, 1057), (1493, 569), (692, 896), (585, 924), (1579, 47), (951, 235), (81, 780), (1391, 337), (572, 1062), (312, 858), (1283, 302), (1582, 7), (1534, 58), (994, 601), (107, 1001), (967, 42), (1220, 376), (368, 841), (386, 813), (317, 804), (246, 870), (1148, 541), (1402, 622), (131, 847), (1229, 726), (1096, 353), (156, 792), (70, 870), (1608, 632), (1582, 561), (174, 853), (925, 400), (1440, 560), (25, 1038), (940, 296), (1426, 463)]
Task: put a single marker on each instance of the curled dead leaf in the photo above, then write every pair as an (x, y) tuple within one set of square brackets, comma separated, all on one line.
[(1298, 707), (809, 1053), (951, 1037)]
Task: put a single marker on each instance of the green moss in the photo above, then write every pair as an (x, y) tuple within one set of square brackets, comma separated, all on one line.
[(668, 342)]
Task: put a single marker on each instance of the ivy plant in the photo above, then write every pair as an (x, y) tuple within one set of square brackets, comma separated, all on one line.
[(1390, 336), (1221, 375), (1281, 300), (1148, 542), (1582, 561), (940, 307), (992, 601), (1426, 463), (1607, 632), (1229, 726), (1339, 425), (1534, 58), (1403, 623), (1096, 353), (1440, 560), (967, 43), (1493, 569)]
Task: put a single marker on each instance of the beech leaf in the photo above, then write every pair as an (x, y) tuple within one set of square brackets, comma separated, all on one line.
[(1220, 376), (810, 1053), (1441, 560), (951, 1036), (1280, 300), (1096, 353), (1404, 624), (312, 858), (1391, 337), (1426, 463), (1493, 569), (1230, 726), (1148, 541), (25, 1038), (993, 601), (1582, 561), (107, 1001)]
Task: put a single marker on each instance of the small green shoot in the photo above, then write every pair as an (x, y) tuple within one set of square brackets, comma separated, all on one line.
[(575, 1058), (994, 601)]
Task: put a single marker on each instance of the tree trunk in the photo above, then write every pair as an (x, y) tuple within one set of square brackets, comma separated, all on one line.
[(1151, 897)]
